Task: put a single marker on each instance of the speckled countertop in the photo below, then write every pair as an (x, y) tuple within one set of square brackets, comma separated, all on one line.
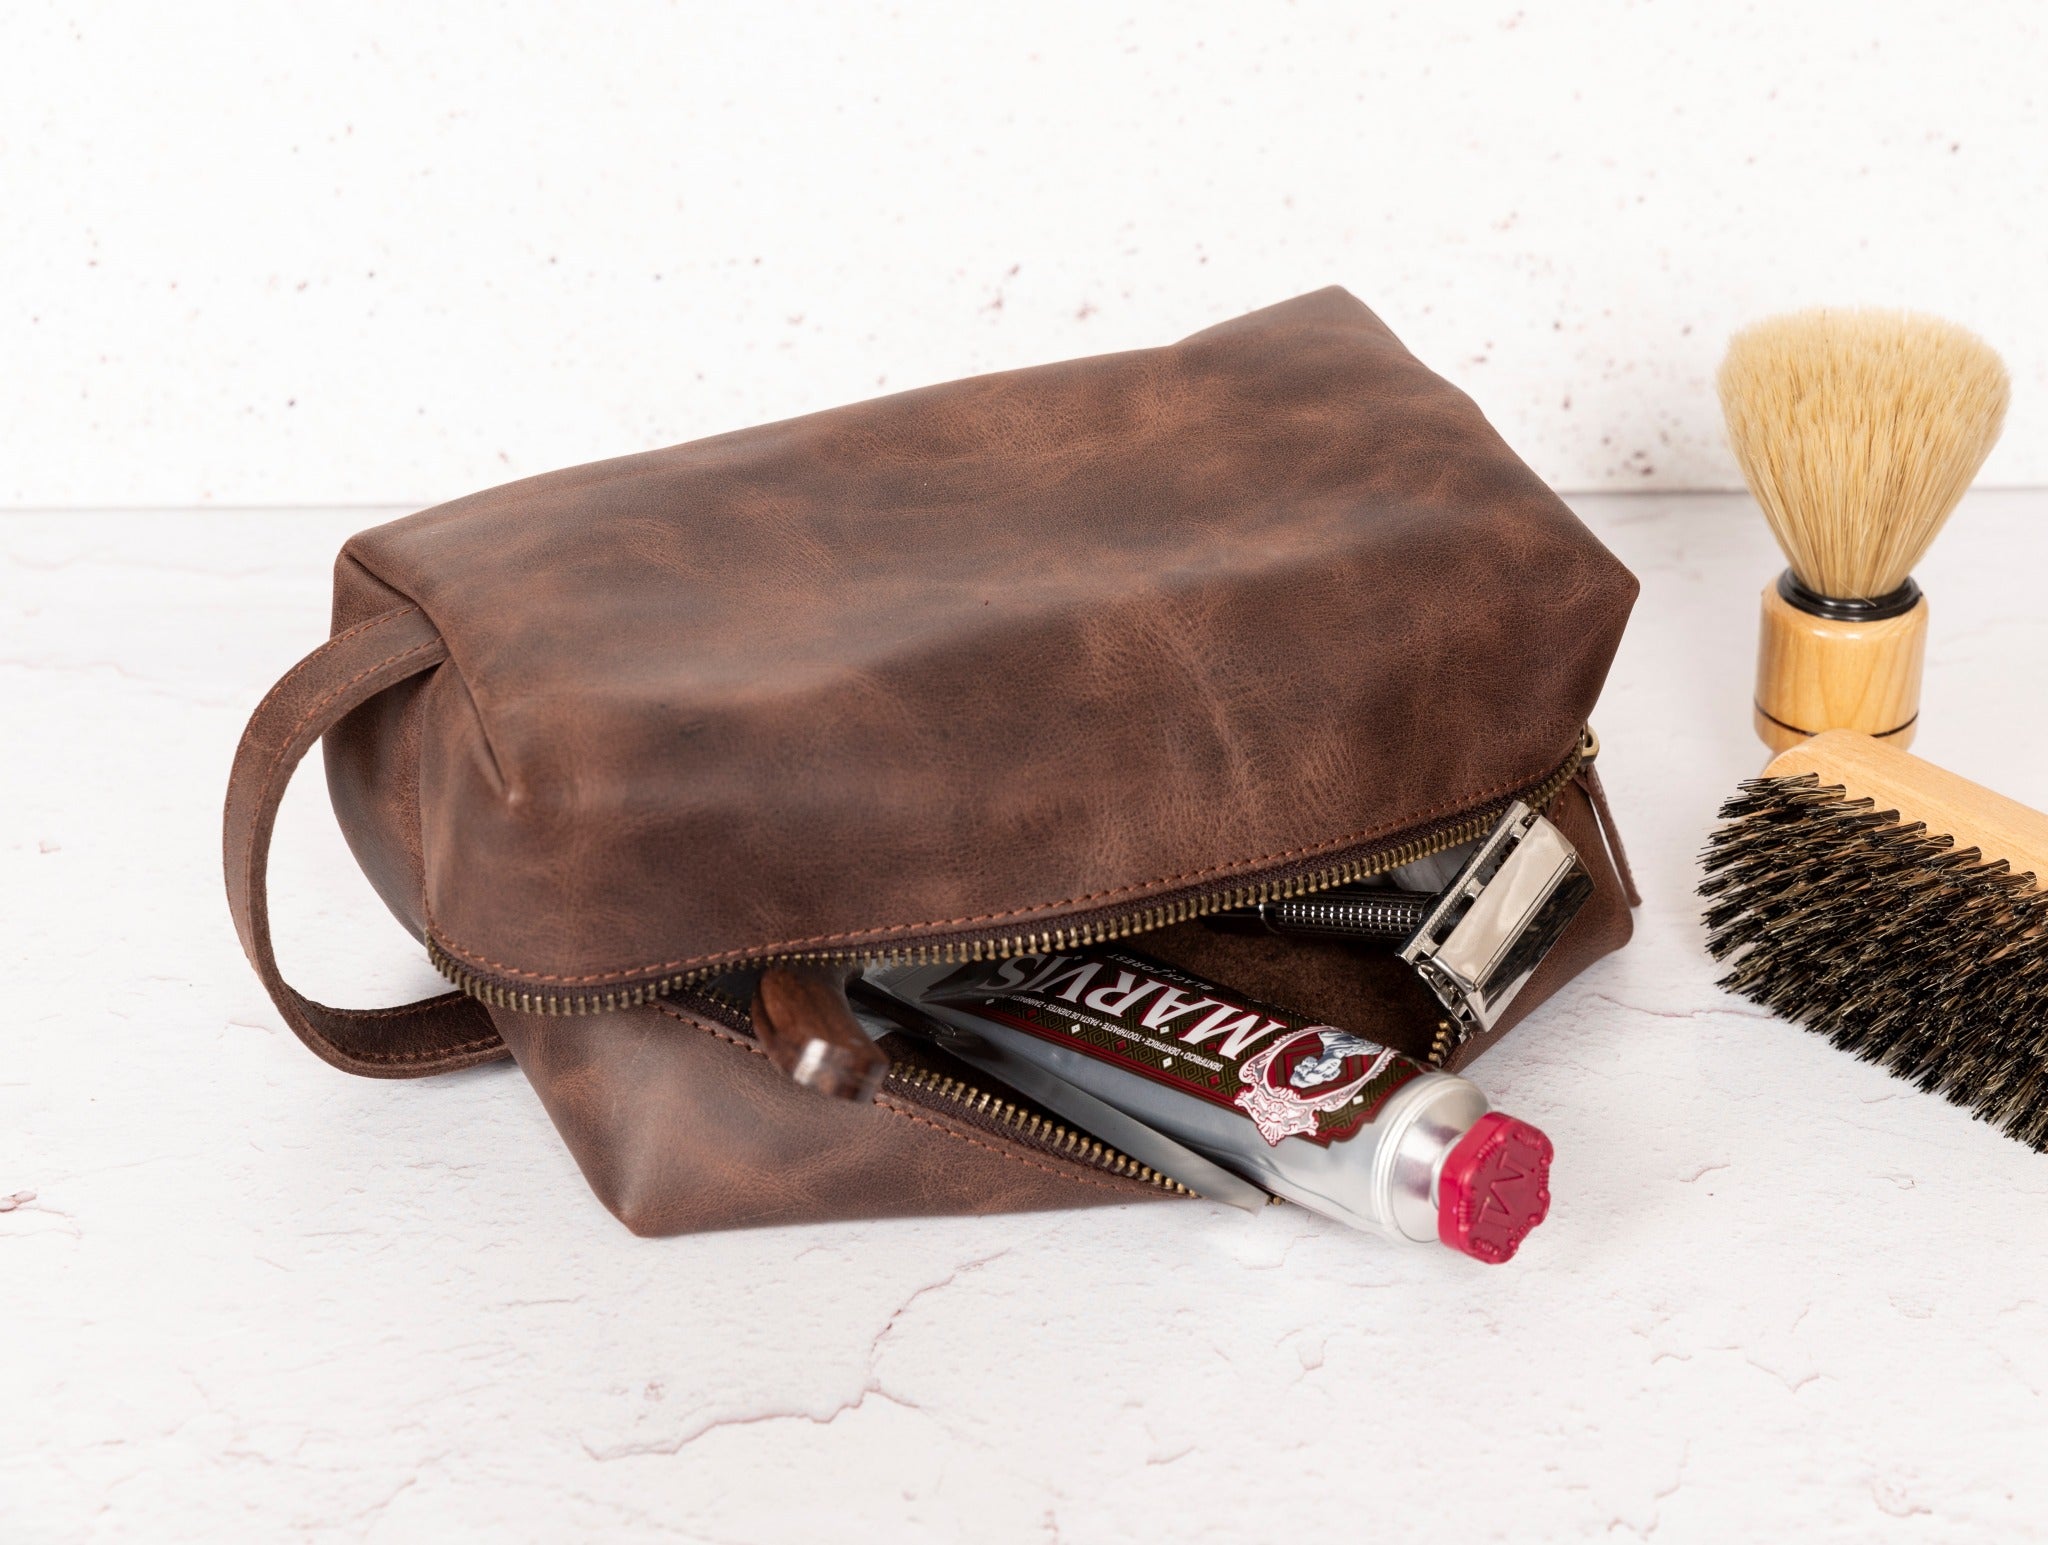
[(244, 1296)]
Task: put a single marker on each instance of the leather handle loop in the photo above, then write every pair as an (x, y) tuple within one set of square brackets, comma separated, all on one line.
[(434, 1035)]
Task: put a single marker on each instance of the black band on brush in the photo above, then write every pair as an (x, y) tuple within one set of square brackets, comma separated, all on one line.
[(1849, 609), (1896, 729)]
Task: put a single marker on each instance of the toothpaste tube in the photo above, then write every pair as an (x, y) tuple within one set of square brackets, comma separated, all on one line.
[(1325, 1118)]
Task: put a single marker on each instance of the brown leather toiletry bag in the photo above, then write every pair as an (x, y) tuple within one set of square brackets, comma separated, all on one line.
[(992, 667)]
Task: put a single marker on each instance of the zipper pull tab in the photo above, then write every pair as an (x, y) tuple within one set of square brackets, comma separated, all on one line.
[(1489, 930), (805, 1025)]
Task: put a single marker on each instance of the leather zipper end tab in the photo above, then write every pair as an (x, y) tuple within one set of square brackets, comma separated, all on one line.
[(804, 1024)]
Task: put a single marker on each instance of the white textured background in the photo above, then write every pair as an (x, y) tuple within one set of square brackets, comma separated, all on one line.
[(391, 252), (1782, 1297), (300, 255)]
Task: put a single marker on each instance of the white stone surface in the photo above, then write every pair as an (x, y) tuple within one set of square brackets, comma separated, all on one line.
[(390, 252), (1781, 1296)]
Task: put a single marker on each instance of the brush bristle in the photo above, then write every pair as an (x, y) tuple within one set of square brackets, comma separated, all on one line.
[(1858, 432), (1894, 944)]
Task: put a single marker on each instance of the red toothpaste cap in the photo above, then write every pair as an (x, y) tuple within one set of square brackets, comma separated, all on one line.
[(1494, 1188)]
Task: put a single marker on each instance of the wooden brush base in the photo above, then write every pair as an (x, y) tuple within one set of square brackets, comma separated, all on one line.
[(1816, 673), (1950, 806)]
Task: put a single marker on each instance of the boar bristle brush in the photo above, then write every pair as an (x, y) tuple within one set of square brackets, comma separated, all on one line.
[(1858, 431), (1898, 910)]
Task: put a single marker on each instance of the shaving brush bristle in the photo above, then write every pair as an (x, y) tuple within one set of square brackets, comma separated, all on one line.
[(1858, 432)]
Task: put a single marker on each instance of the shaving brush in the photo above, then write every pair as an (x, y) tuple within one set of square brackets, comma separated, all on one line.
[(1858, 432)]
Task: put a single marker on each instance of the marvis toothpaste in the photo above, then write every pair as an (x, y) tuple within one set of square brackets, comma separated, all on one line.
[(1315, 1114)]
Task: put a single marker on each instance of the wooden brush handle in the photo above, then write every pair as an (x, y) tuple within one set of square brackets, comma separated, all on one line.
[(804, 1023), (1950, 806), (1815, 673)]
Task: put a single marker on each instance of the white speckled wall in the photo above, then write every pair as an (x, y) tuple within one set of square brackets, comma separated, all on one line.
[(366, 254)]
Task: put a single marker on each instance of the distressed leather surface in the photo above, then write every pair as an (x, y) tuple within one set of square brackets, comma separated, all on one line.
[(1367, 990), (358, 666), (681, 1126), (961, 661), (971, 659)]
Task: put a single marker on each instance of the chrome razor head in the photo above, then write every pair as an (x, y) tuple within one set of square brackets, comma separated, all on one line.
[(1491, 927)]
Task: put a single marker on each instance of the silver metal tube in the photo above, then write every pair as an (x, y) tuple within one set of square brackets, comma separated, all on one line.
[(1308, 1112)]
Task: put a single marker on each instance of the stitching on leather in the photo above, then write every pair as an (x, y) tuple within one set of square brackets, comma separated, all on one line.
[(424, 1006), (402, 1011), (418, 1056), (320, 705), (460, 1049), (1603, 819), (711, 1029), (475, 958), (321, 653), (889, 1104), (1075, 1173), (249, 854)]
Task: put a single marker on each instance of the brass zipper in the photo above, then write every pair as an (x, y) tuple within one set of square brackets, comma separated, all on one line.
[(1066, 936), (945, 1090), (975, 1106), (965, 1101)]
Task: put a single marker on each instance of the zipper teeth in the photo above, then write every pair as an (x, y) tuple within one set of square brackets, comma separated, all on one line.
[(1045, 941), (944, 1090), (1060, 1139)]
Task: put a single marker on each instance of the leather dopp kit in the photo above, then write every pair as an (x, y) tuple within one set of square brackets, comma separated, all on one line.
[(1102, 650)]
